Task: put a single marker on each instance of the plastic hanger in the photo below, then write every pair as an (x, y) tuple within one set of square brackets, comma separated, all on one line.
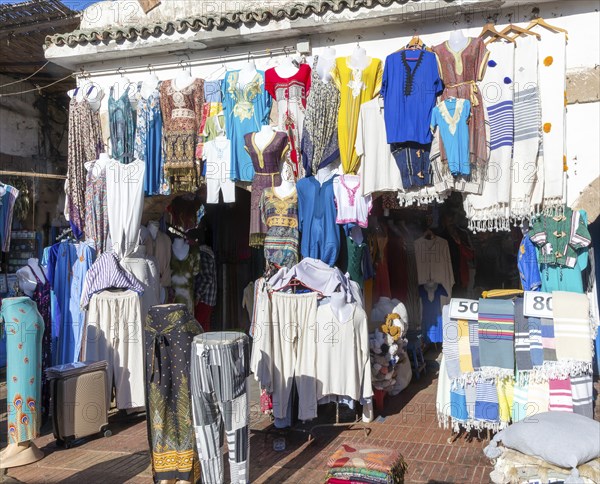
[(542, 23), (490, 28), (519, 31)]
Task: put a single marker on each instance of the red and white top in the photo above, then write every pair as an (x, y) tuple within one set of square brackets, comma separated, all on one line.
[(352, 207), (290, 95)]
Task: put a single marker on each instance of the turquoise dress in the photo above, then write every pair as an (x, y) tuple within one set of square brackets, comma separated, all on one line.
[(121, 120), (451, 116), (246, 109), (24, 328)]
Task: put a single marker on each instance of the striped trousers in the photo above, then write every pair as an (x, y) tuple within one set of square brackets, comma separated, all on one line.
[(220, 368)]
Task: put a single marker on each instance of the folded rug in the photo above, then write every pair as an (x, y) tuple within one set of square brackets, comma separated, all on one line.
[(582, 389), (389, 461), (561, 397), (522, 344), (496, 337), (352, 474), (572, 331), (535, 341)]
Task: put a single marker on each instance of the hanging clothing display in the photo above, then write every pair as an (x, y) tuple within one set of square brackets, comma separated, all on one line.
[(181, 112), (461, 71), (246, 109), (121, 120), (169, 331), (490, 210), (316, 220), (434, 263), (217, 164), (67, 267), (125, 204), (352, 207), (552, 87), (212, 107), (206, 287), (319, 144), (85, 144), (527, 262), (148, 142), (378, 170), (24, 328), (114, 326), (527, 174), (96, 211), (41, 297), (145, 271), (451, 117), (160, 249), (280, 216), (8, 196), (431, 316), (354, 268), (413, 161), (183, 274), (409, 88), (356, 87), (290, 95), (266, 161), (219, 373)]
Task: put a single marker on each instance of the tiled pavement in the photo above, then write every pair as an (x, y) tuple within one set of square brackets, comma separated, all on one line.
[(411, 426)]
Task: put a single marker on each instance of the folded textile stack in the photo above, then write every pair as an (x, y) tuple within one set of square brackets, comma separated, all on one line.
[(388, 348), (363, 464)]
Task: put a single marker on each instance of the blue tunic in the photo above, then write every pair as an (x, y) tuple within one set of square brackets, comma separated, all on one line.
[(246, 109), (316, 220), (527, 263), (454, 132), (431, 321), (409, 90)]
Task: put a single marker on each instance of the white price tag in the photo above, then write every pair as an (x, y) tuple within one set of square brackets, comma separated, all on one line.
[(537, 304), (464, 309)]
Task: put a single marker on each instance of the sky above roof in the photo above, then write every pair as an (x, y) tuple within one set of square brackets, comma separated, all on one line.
[(72, 4)]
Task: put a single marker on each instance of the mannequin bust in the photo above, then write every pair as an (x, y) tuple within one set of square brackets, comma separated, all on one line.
[(263, 137), (247, 73), (21, 454), (359, 59), (26, 276), (457, 40), (341, 309), (153, 228), (286, 68), (89, 91), (149, 85), (287, 186), (430, 286), (121, 85), (326, 172), (181, 249), (356, 235), (325, 64), (183, 80)]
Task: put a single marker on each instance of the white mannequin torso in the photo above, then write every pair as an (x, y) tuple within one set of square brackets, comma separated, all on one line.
[(246, 74), (457, 40), (149, 85), (153, 229), (286, 68), (326, 173), (325, 64), (26, 276), (183, 80), (341, 309), (99, 165), (181, 249), (356, 234), (123, 84), (359, 59), (89, 91), (263, 137), (2, 190)]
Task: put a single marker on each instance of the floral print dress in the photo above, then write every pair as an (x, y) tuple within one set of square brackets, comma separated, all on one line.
[(96, 213), (24, 328)]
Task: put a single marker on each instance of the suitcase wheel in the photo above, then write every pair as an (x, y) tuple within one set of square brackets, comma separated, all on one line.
[(107, 433)]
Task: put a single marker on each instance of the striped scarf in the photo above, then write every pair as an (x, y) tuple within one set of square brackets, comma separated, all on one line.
[(450, 344), (486, 403), (572, 328), (496, 337), (535, 341), (561, 396), (582, 390), (522, 341), (474, 341), (520, 401), (548, 343)]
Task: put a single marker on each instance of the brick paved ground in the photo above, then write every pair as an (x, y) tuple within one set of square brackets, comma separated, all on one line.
[(410, 425)]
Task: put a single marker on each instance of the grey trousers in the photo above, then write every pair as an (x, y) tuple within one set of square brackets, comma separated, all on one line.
[(219, 377)]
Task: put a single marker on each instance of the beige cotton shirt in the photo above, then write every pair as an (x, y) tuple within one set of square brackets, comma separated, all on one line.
[(160, 249)]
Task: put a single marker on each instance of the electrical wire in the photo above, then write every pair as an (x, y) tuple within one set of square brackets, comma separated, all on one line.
[(38, 88), (25, 79)]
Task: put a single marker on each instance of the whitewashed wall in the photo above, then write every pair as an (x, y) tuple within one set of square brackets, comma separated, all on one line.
[(580, 18)]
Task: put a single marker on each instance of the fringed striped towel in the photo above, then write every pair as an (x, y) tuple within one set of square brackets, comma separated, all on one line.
[(458, 405), (450, 344), (442, 399), (474, 342), (464, 347), (496, 337), (535, 341), (548, 343), (486, 404), (522, 343), (561, 396), (582, 390), (520, 400), (572, 331), (538, 395), (471, 396)]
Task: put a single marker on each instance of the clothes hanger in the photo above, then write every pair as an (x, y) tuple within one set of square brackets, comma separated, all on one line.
[(519, 31), (542, 23), (428, 234), (490, 28)]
